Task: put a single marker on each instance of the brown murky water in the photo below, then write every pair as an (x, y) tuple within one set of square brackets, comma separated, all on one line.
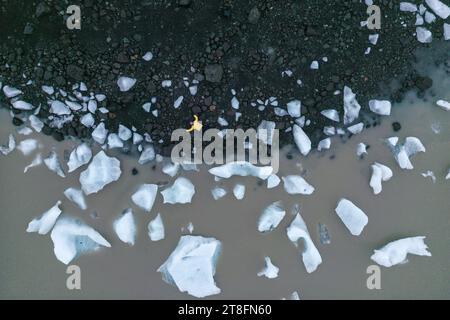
[(409, 205)]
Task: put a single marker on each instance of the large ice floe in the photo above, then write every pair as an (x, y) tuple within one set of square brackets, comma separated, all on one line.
[(125, 227), (79, 157), (351, 106), (294, 184), (402, 152), (396, 252), (353, 217), (100, 172), (271, 217), (45, 223), (310, 255), (192, 266), (380, 173), (241, 168), (270, 271), (71, 237), (301, 140), (145, 196), (156, 228), (181, 191)]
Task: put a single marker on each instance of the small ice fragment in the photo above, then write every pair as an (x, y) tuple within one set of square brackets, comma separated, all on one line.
[(353, 217), (301, 140), (24, 131), (272, 181), (396, 252), (356, 128), (446, 31), (324, 234), (192, 266), (125, 227), (92, 106), (178, 102), (241, 168), (271, 217), (443, 104), (156, 229), (324, 144), (72, 237), (239, 191), (48, 89), (382, 107), (408, 7), (171, 169), (11, 92), (218, 193), (441, 9), (36, 123), (100, 133), (137, 138), (429, 174), (77, 197), (166, 83), (310, 255), (125, 83), (147, 106), (124, 133), (147, 56), (59, 108), (11, 146), (73, 105), (235, 103), (45, 223), (37, 161), (314, 65), (190, 227), (351, 106), (181, 191), (22, 105), (147, 155), (145, 196), (402, 152), (270, 271), (294, 184), (419, 20), (424, 35), (100, 172), (379, 173), (294, 108), (373, 38), (429, 17), (81, 155), (53, 164), (331, 114), (87, 120), (114, 141)]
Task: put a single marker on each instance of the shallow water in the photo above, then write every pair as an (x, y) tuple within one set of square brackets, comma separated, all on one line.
[(409, 205)]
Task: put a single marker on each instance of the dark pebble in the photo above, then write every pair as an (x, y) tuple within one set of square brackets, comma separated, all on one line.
[(396, 126)]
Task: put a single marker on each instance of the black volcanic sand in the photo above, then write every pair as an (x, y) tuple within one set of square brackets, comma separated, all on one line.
[(247, 44)]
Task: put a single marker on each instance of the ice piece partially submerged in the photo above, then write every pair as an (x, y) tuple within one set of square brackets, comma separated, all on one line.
[(241, 168), (156, 228), (37, 161), (396, 252), (361, 149), (218, 193), (100, 172), (72, 237), (310, 255), (447, 177), (76, 196), (301, 140), (45, 223), (5, 150), (270, 271), (53, 164), (294, 184), (353, 217), (381, 107), (145, 196), (324, 234), (445, 105), (271, 217), (181, 191), (429, 174), (351, 106), (28, 146), (125, 227), (79, 157), (402, 152), (192, 266), (380, 173)]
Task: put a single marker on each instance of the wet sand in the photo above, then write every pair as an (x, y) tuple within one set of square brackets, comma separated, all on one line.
[(409, 205)]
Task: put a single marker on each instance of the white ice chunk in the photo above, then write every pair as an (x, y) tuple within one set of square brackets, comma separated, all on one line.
[(424, 35), (145, 196), (408, 7), (235, 103), (11, 92), (10, 147), (314, 65), (361, 149), (301, 140), (294, 108), (101, 171), (270, 271), (429, 17), (241, 168), (24, 131), (181, 191), (147, 56), (72, 237), (396, 252), (53, 164), (356, 128), (447, 177), (324, 144), (331, 114), (271, 217), (192, 266), (382, 107), (353, 217), (380, 173), (156, 229), (100, 133), (125, 83), (429, 174), (310, 255), (59, 108), (441, 9), (92, 106), (402, 152), (87, 120), (446, 31), (218, 193), (125, 227), (272, 181), (36, 123), (77, 197), (22, 105), (178, 102), (81, 155), (239, 191), (166, 83), (373, 38), (73, 105), (351, 106), (171, 169), (45, 223), (114, 141), (294, 184), (124, 133), (443, 104)]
